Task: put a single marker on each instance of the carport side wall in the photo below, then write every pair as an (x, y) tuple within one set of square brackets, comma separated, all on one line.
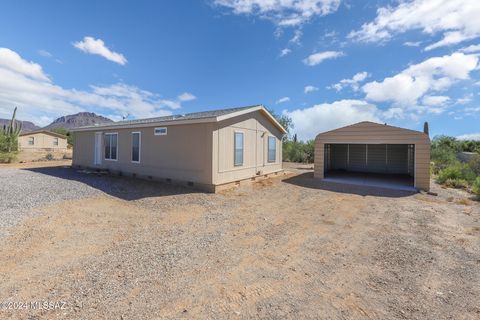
[(184, 154), (372, 133)]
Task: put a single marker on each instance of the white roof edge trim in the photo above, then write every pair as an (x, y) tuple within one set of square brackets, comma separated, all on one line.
[(252, 109)]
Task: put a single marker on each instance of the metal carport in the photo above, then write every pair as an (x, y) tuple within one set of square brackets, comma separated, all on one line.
[(374, 152)]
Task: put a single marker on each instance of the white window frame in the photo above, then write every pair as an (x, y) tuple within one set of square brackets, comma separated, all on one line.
[(104, 155), (139, 146), (268, 150), (235, 164), (160, 133), (55, 141), (31, 139)]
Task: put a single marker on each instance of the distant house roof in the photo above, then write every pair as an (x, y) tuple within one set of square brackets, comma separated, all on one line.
[(29, 133), (188, 118)]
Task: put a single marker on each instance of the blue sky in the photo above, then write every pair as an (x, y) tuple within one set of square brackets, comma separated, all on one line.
[(325, 63)]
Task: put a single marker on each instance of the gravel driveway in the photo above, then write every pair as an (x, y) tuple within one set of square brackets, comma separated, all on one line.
[(23, 190), (283, 248)]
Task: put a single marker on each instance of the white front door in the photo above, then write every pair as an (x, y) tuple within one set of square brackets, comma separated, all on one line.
[(98, 149)]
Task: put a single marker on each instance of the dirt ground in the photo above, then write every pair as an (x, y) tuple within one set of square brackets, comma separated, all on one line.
[(283, 248)]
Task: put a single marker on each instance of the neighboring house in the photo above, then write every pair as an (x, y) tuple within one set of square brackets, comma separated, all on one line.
[(42, 140), (466, 156), (203, 149), (385, 152)]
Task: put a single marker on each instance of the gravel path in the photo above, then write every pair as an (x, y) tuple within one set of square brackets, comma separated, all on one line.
[(23, 190)]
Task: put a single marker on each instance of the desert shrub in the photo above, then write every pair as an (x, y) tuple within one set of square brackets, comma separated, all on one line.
[(456, 183), (457, 171), (474, 164), (8, 157), (298, 151), (476, 186), (49, 157), (442, 158)]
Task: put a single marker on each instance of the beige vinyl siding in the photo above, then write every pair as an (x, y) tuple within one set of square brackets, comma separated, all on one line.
[(256, 129), (373, 133), (183, 154), (42, 142)]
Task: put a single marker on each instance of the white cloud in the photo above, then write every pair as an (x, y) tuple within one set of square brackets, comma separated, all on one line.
[(471, 49), (354, 82), (432, 75), (97, 46), (466, 99), (24, 84), (285, 52), (309, 89), (435, 100), (469, 136), (11, 61), (412, 44), (282, 12), (319, 57), (44, 53), (456, 20), (309, 122), (297, 37), (186, 96), (282, 100)]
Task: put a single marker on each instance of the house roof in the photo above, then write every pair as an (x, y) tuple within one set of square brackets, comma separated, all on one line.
[(28, 133), (188, 118)]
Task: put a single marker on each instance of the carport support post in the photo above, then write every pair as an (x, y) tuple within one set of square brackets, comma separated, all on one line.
[(386, 157), (348, 156), (366, 156)]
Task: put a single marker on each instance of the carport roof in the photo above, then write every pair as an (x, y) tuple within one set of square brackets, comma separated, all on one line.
[(372, 124)]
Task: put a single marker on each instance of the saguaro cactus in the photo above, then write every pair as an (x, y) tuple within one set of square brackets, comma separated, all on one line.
[(11, 133)]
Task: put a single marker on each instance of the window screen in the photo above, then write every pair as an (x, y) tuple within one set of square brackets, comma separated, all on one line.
[(272, 149), (136, 146), (55, 141), (31, 141), (238, 147), (111, 146)]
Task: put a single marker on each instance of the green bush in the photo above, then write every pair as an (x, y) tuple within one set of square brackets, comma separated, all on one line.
[(8, 157), (298, 151), (476, 186), (49, 157), (474, 164), (457, 171), (442, 158)]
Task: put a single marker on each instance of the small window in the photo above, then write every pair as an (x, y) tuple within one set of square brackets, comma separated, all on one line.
[(136, 146), (272, 149), (161, 131), (55, 141), (111, 146), (31, 141), (238, 147)]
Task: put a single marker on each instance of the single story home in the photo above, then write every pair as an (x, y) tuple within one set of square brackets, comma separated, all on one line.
[(204, 149), (378, 153), (41, 141)]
